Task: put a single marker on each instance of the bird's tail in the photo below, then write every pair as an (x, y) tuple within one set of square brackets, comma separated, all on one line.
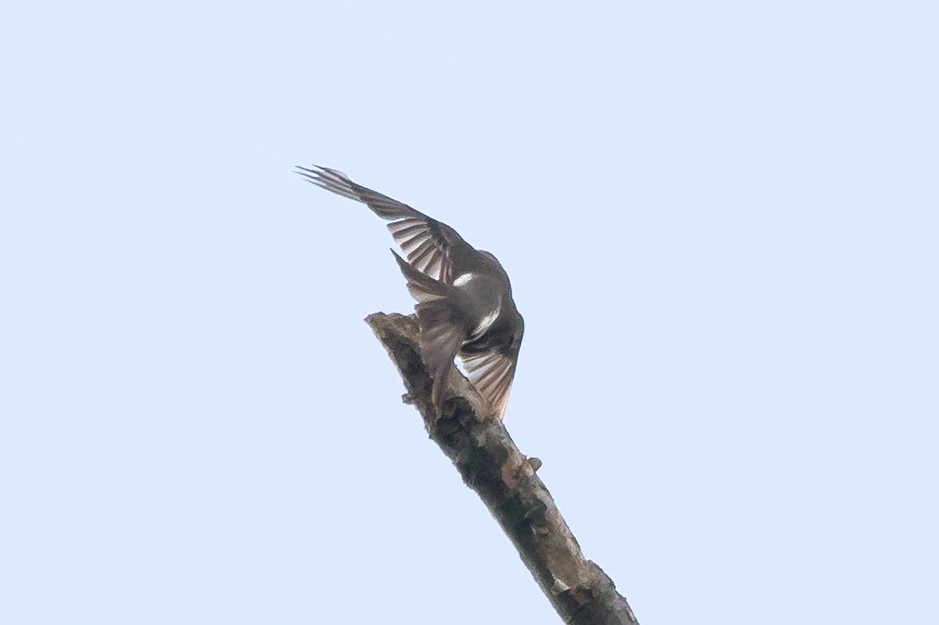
[(441, 334)]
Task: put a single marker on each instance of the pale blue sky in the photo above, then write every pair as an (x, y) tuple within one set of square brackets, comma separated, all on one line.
[(721, 223)]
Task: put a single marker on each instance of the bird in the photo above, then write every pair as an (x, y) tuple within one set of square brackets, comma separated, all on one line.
[(465, 307)]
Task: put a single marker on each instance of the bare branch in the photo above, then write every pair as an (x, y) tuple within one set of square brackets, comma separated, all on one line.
[(491, 464)]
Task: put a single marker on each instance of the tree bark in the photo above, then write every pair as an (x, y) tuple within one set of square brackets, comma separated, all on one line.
[(505, 479)]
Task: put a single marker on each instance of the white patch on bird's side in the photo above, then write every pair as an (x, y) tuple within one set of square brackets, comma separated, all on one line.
[(486, 322), (463, 279)]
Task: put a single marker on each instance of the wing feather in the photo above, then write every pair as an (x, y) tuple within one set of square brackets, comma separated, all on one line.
[(491, 373), (428, 244)]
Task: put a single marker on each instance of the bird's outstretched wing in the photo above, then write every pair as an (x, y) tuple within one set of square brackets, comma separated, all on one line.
[(491, 374), (431, 246)]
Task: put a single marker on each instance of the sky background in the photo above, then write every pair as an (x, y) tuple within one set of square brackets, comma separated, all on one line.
[(721, 221)]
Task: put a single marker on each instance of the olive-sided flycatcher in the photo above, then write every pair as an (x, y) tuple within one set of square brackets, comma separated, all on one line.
[(464, 298)]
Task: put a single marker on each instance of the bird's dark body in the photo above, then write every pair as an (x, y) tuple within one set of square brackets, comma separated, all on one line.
[(464, 297)]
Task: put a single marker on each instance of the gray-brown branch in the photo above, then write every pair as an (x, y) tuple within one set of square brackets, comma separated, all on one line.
[(505, 480)]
